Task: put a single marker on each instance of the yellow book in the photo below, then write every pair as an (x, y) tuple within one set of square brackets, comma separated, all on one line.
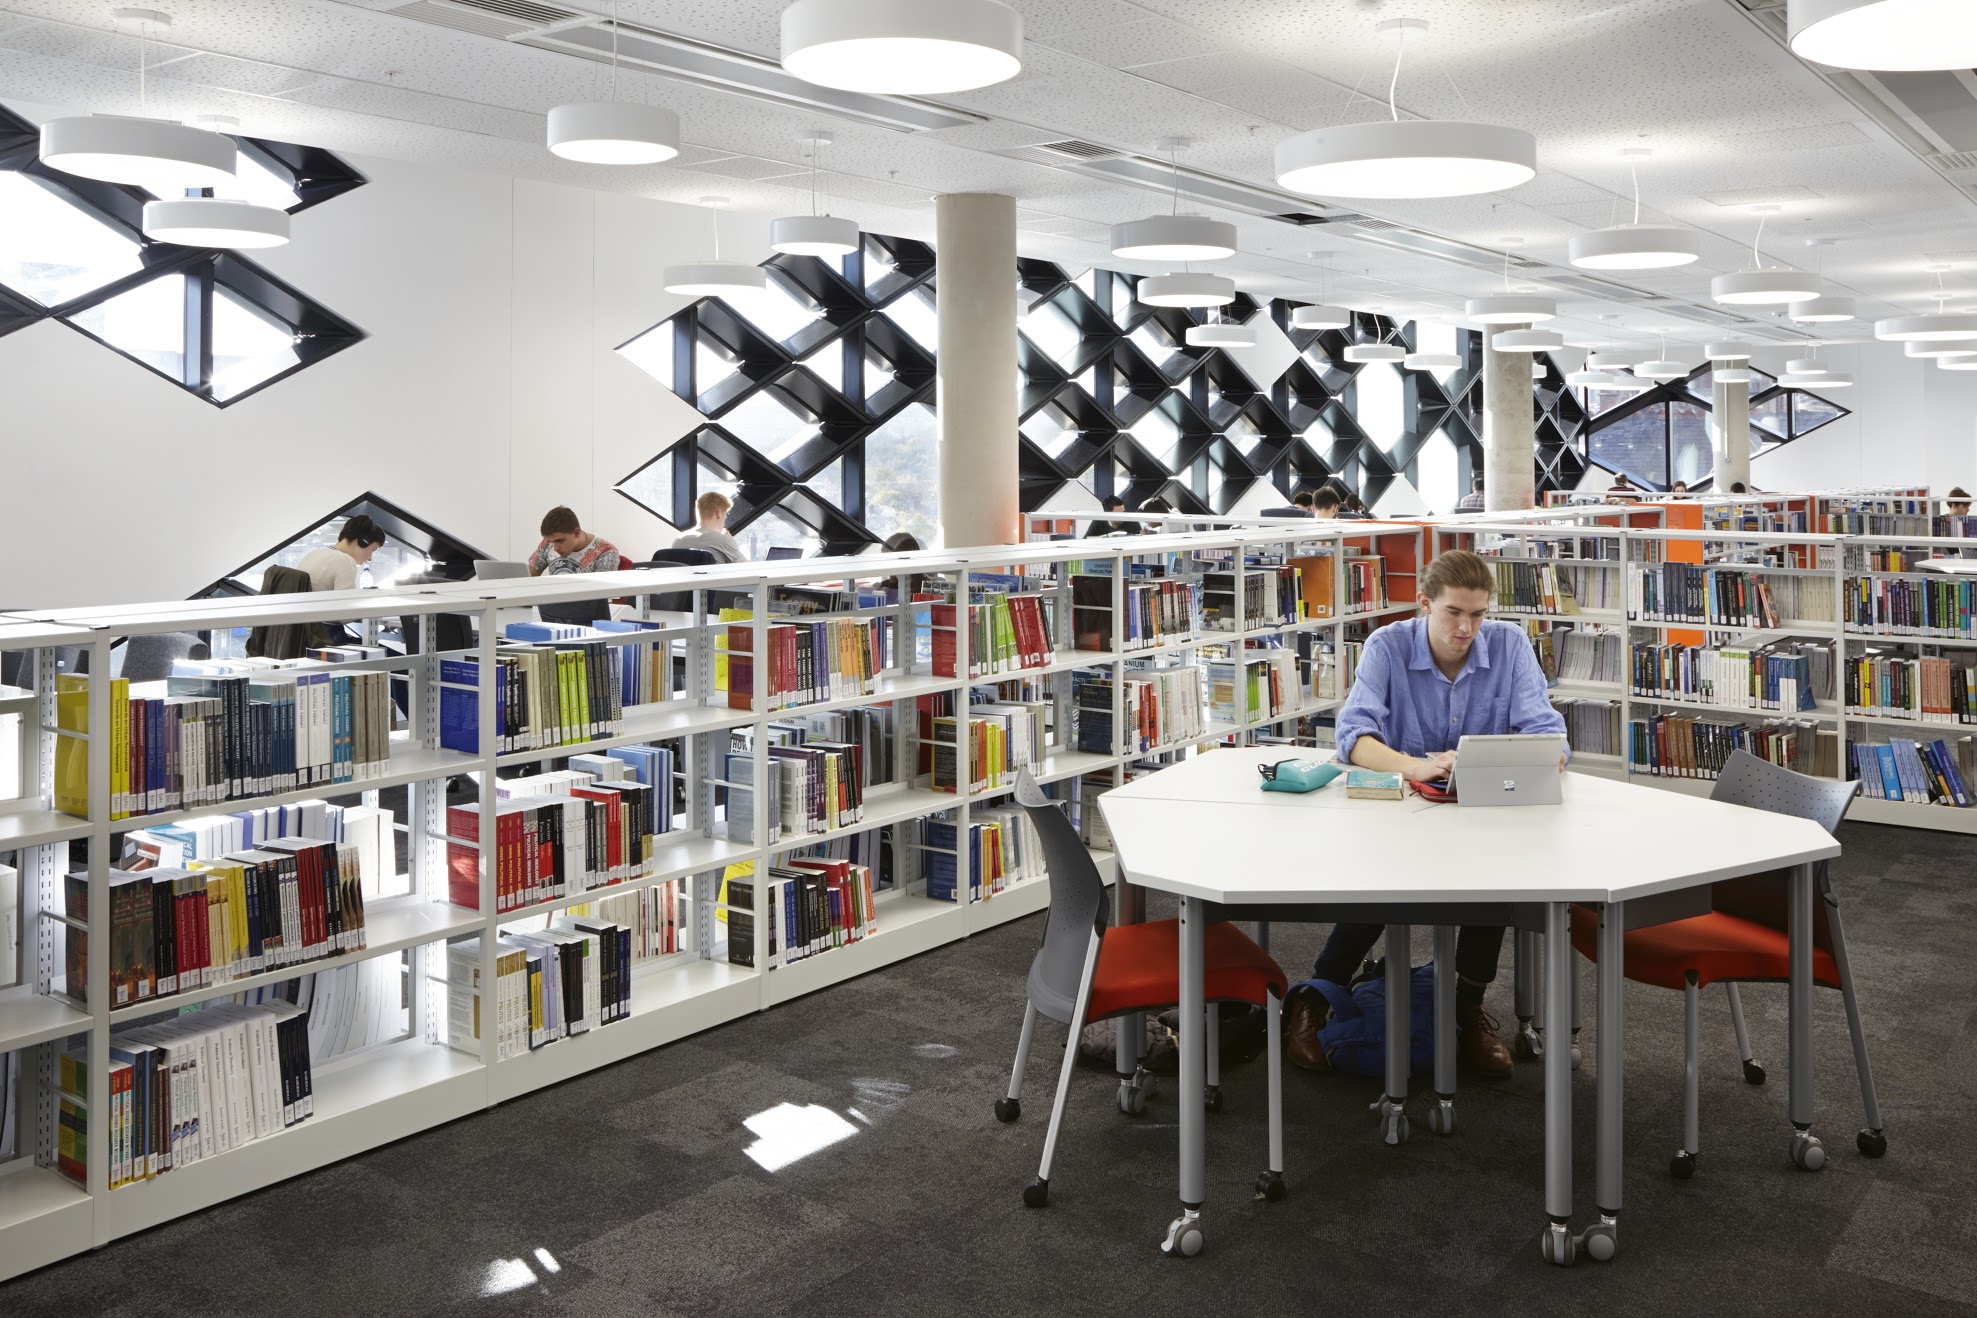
[(742, 871), (721, 645), (72, 753), (120, 749), (833, 817)]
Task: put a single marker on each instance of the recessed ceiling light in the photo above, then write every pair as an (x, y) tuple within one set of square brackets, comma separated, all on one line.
[(1509, 309), (215, 222), (1822, 310), (1186, 289), (902, 47), (1375, 352), (1527, 340), (1893, 35)]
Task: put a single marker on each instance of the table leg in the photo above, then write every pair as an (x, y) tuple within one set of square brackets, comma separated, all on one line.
[(1807, 1151), (1135, 1081), (1441, 1117), (1526, 1043), (1184, 1234), (1392, 1107), (1602, 1240), (1558, 1245)]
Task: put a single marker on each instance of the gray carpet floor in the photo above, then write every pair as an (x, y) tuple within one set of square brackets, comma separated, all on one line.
[(629, 1192)]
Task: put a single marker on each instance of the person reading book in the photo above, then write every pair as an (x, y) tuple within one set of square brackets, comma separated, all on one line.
[(1113, 504), (567, 547), (712, 532), (1422, 686), (334, 567)]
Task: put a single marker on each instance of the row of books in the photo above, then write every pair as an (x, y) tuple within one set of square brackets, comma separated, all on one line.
[(1002, 847), (560, 833), (1574, 654), (802, 662), (1363, 586), (1939, 606), (1676, 746), (808, 905), (370, 829), (197, 1085), (1592, 727), (1262, 684), (1689, 592), (1538, 586), (1006, 633), (222, 737), (1334, 665), (657, 917), (1733, 676), (1161, 707), (175, 931), (543, 696), (1003, 737), (1271, 595), (548, 985), (1921, 773), (1928, 690), (1155, 611)]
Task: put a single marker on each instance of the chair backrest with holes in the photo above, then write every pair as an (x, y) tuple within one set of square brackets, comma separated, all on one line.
[(1077, 903), (1748, 781)]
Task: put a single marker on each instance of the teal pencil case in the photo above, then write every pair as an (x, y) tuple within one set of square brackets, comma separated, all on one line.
[(1298, 775)]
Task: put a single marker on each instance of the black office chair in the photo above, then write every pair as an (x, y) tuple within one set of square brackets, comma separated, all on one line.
[(676, 601), (1285, 512)]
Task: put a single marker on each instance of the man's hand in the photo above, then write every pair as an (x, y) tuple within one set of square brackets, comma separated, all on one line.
[(1433, 768)]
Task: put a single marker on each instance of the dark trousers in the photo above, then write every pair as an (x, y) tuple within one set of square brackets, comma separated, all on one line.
[(1477, 948)]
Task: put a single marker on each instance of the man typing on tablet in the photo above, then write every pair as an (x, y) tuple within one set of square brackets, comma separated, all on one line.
[(1422, 686)]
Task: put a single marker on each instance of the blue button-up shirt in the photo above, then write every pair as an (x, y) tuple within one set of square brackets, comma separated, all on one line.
[(1400, 697)]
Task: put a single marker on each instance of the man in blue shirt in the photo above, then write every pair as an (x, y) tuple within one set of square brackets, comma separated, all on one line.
[(1422, 686)]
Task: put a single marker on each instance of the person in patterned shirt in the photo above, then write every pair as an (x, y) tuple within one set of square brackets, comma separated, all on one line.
[(567, 547)]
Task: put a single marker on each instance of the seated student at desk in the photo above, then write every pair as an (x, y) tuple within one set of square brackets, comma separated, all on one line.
[(1423, 685), (567, 547)]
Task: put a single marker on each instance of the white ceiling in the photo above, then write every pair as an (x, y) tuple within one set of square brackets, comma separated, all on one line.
[(1731, 117)]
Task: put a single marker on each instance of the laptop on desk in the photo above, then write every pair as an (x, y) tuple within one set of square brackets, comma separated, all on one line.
[(1513, 769), (489, 569)]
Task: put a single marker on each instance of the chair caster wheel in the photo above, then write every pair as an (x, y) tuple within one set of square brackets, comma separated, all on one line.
[(1753, 1072), (1132, 1099), (1601, 1240), (1807, 1151), (1036, 1195), (1559, 1245), (1393, 1125), (1270, 1187), (1576, 1057), (1184, 1238), (1525, 1045), (1682, 1166), (1008, 1109), (1872, 1143), (1212, 1098), (1441, 1117)]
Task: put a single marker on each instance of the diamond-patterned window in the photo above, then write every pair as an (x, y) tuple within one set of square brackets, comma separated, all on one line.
[(1810, 411), (1636, 444), (914, 313), (1382, 406), (212, 322), (1773, 415), (412, 545), (1690, 458)]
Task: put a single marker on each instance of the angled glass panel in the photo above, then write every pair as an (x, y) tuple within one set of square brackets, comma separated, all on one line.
[(915, 314), (1382, 409), (1772, 414), (1160, 437), (770, 426), (1053, 331), (777, 529), (828, 485), (1438, 468), (393, 560), (1636, 444), (147, 323), (1051, 429), (1160, 347), (1245, 435), (52, 251), (651, 487), (774, 311), (1690, 457), (1601, 401), (652, 352), (902, 476), (1810, 411), (249, 345)]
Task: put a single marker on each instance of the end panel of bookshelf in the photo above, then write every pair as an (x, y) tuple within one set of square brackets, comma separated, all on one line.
[(373, 1099), (908, 926), (44, 1216)]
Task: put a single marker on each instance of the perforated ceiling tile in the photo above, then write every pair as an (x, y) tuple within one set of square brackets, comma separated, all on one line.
[(1124, 45)]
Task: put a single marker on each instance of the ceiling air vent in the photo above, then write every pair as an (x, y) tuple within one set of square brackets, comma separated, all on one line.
[(526, 11), (1953, 162), (1073, 149), (1368, 222)]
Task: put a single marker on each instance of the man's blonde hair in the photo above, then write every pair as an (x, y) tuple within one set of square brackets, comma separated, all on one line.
[(712, 504), (1457, 569)]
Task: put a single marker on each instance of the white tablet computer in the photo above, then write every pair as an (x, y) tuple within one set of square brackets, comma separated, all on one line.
[(1512, 769)]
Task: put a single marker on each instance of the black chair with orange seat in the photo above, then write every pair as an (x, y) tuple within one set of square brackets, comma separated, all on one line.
[(1085, 971), (1746, 939)]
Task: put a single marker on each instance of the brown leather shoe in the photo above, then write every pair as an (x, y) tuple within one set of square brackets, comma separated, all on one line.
[(1304, 1014), (1481, 1050)]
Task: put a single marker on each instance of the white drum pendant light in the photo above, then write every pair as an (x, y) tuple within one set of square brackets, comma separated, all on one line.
[(1636, 246), (902, 47), (1831, 380), (1186, 289), (614, 132), (1527, 341), (1890, 35), (1728, 351), (215, 222), (715, 278), (1322, 316), (1731, 375), (1174, 236), (1948, 348), (1805, 366), (1759, 287), (815, 234), (1406, 158), (1609, 361), (1589, 380), (1661, 370), (1431, 361), (1960, 361), (1940, 327), (1509, 309), (158, 155), (1375, 352), (1822, 310), (1626, 383), (1221, 334)]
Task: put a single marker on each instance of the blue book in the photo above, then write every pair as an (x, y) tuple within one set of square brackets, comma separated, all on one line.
[(459, 707), (1951, 773), (537, 632), (1890, 776)]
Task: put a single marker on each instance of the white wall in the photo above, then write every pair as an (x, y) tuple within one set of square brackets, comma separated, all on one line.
[(486, 392)]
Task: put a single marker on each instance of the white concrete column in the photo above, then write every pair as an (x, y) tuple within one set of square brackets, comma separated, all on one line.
[(1509, 426), (975, 252), (1729, 433)]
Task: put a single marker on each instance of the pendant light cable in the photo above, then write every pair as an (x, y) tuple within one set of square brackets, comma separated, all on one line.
[(1757, 257), (614, 49), (1393, 84)]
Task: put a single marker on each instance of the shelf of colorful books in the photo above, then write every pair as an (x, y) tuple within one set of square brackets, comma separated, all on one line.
[(28, 1018), (1822, 711), (409, 763), (1786, 627), (659, 721), (44, 1216), (887, 804), (907, 925), (1876, 638), (361, 1102), (389, 928), (1064, 661), (677, 855)]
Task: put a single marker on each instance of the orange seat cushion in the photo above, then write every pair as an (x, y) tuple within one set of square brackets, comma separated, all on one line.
[(1715, 946), (1139, 968)]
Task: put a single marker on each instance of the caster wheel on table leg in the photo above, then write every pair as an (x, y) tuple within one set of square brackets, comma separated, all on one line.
[(1753, 1072), (1559, 1246), (1212, 1098), (1036, 1195), (1132, 1099), (1146, 1082), (1008, 1109), (1184, 1238), (1441, 1117), (1682, 1166), (1576, 1057), (1871, 1143), (1393, 1124), (1525, 1045), (1807, 1151), (1270, 1187), (1602, 1240)]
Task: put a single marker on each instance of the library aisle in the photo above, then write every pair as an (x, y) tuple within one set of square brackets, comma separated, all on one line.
[(838, 1156)]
